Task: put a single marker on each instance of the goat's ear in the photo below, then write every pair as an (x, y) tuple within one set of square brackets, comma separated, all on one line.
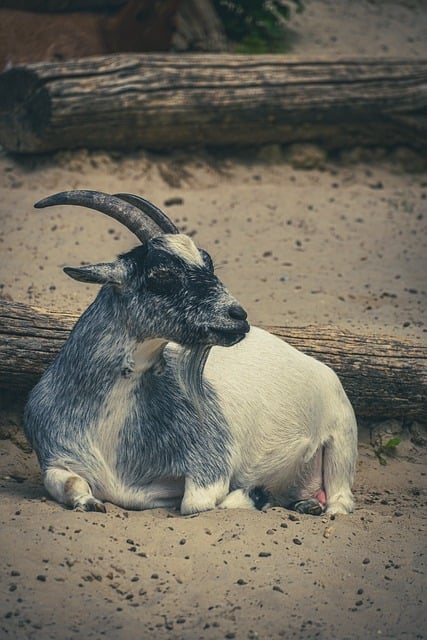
[(102, 273)]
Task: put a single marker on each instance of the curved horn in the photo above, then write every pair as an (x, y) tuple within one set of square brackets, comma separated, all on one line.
[(156, 215), (120, 210)]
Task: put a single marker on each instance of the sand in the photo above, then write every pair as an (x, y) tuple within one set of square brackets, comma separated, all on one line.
[(300, 238)]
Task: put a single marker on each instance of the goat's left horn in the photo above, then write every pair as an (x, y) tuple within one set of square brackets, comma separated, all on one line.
[(157, 215), (117, 208)]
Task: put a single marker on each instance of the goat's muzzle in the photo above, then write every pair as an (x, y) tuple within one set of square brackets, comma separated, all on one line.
[(226, 337), (232, 330)]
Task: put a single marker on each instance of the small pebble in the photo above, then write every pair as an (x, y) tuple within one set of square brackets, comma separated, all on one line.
[(296, 541), (173, 202)]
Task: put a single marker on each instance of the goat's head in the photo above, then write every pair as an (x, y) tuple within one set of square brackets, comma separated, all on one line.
[(167, 285)]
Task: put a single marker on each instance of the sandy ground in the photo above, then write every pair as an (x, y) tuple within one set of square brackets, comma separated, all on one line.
[(300, 239)]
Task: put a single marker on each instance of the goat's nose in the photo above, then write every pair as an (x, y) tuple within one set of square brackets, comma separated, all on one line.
[(237, 312)]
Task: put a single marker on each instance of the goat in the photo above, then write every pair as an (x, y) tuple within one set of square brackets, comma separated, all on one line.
[(164, 396)]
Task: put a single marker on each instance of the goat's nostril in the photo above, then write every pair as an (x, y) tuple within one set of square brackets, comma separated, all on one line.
[(237, 312)]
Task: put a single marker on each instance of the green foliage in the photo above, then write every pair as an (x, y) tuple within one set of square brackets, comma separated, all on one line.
[(388, 448), (256, 26), (392, 443)]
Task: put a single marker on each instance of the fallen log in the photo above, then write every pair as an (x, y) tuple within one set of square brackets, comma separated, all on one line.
[(384, 377), (127, 101)]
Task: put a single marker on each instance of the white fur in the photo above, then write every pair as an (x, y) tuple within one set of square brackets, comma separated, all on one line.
[(146, 354), (283, 407), (182, 246), (198, 498), (237, 499)]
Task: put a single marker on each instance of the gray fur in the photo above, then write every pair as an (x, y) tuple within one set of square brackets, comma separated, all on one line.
[(144, 408), (161, 435)]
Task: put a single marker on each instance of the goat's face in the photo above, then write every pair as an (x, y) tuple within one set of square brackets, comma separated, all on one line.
[(166, 288), (169, 290), (181, 298)]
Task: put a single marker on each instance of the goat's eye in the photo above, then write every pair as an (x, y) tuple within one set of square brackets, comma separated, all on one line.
[(162, 281)]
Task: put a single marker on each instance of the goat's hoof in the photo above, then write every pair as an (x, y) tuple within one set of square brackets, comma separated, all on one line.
[(91, 504), (311, 507), (337, 508)]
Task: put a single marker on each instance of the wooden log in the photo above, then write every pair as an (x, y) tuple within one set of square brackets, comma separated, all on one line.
[(384, 377), (161, 100)]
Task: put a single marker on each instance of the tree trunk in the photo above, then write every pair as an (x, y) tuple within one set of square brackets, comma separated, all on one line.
[(163, 100), (384, 377), (198, 28)]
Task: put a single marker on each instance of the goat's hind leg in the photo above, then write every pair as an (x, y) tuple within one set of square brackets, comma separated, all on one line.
[(308, 495), (71, 489), (339, 460)]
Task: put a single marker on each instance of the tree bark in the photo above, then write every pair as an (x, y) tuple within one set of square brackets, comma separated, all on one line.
[(384, 377), (198, 28), (161, 100)]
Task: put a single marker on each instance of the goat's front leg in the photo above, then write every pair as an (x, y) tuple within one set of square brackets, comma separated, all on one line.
[(71, 489), (199, 498)]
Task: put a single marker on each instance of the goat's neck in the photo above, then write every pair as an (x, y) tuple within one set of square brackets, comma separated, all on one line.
[(148, 355), (111, 343)]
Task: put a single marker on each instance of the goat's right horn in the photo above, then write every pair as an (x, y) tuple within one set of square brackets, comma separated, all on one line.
[(157, 215), (113, 206)]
